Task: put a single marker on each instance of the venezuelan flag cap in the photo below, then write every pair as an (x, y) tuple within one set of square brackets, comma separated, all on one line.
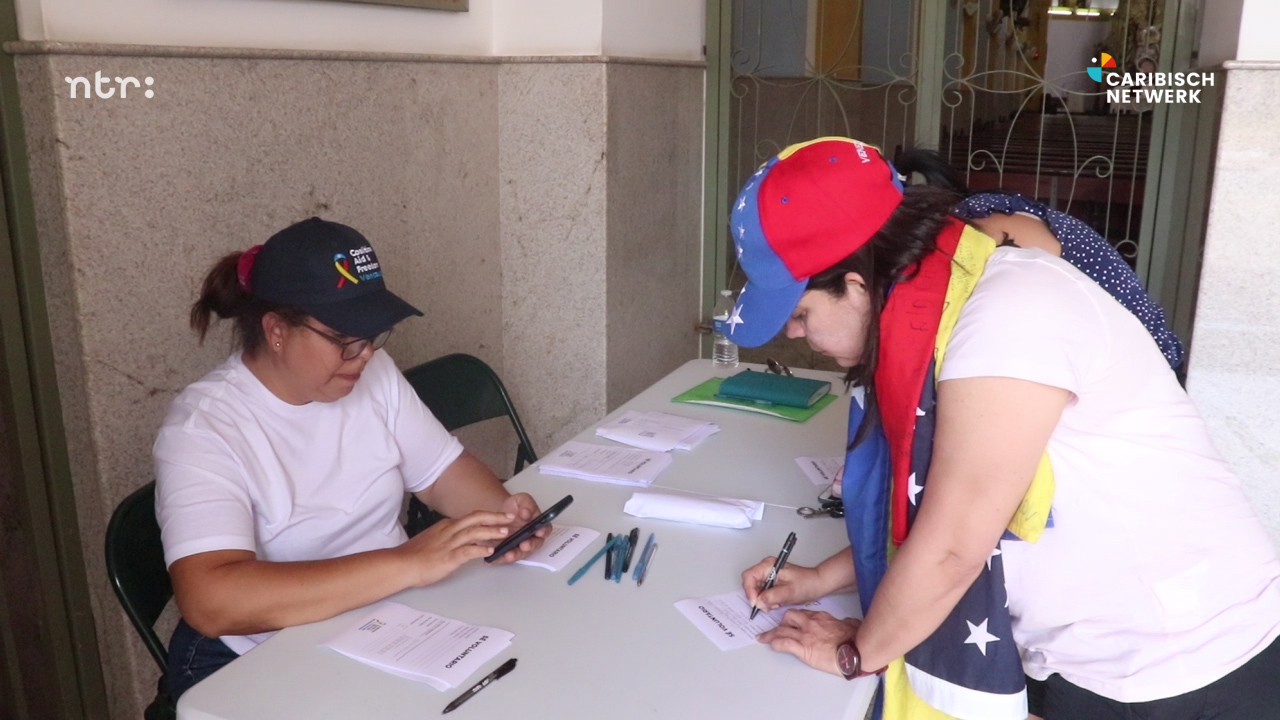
[(802, 212), (329, 271)]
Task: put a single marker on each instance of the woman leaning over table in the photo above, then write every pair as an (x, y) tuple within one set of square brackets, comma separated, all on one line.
[(280, 474), (1055, 502)]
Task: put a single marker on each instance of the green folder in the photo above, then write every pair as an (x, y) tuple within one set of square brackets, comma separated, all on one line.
[(707, 393)]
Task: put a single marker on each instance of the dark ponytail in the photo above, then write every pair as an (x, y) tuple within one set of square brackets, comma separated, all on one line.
[(936, 171), (892, 255), (222, 295)]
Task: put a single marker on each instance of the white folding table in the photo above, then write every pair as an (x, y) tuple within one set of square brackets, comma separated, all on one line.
[(597, 649)]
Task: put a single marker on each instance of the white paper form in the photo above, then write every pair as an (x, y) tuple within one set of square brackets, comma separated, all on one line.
[(657, 431), (559, 549), (821, 471), (725, 619), (603, 463), (419, 645)]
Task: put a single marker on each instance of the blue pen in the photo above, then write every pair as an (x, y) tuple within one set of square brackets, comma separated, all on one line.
[(644, 556), (608, 547), (617, 557)]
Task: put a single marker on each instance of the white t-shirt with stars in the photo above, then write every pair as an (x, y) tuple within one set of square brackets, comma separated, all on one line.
[(1157, 577)]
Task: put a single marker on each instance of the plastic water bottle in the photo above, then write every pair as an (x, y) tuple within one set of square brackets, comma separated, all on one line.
[(724, 352)]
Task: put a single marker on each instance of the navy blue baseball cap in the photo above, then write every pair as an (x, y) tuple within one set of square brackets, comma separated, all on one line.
[(329, 271)]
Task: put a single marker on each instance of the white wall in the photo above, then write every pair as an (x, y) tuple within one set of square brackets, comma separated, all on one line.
[(1259, 23), (548, 27), (278, 24), (661, 29), (669, 29)]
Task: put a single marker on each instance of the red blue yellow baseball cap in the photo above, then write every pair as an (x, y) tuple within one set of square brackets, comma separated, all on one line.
[(803, 211)]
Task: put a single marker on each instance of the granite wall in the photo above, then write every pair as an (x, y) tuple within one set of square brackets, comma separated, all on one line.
[(1233, 376), (543, 213)]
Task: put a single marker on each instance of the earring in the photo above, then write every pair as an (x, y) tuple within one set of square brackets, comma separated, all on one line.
[(277, 343)]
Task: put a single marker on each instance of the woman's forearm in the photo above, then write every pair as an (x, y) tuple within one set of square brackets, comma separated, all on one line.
[(837, 572), (233, 593), (918, 592)]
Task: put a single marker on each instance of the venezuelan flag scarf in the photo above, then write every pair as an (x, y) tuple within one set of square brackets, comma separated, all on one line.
[(969, 668)]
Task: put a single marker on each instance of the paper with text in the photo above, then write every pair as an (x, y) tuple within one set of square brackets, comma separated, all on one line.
[(560, 548), (821, 471), (657, 431), (726, 619), (604, 463), (419, 645)]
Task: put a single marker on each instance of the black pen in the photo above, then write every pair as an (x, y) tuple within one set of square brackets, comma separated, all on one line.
[(632, 540), (503, 669), (608, 559), (789, 543)]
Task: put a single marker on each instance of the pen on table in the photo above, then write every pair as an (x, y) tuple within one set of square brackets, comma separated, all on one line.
[(608, 547), (503, 669), (787, 544), (632, 541), (644, 554), (608, 559), (647, 559)]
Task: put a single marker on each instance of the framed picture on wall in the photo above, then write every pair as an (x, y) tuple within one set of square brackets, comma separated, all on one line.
[(452, 5)]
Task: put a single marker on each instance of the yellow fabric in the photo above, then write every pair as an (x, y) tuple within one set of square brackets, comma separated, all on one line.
[(1028, 523), (792, 149)]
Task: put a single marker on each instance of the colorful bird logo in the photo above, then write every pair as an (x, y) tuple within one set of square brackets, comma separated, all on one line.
[(341, 262), (1095, 73)]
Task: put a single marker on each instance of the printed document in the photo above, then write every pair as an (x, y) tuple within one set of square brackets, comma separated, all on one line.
[(419, 645), (726, 619), (604, 463), (560, 547), (821, 471), (657, 431)]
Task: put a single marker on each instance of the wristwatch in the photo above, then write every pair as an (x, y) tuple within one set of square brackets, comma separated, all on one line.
[(849, 660)]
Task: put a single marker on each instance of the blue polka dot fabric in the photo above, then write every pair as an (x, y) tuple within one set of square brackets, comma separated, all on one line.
[(1084, 248)]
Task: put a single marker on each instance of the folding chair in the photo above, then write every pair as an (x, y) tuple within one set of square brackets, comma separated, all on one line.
[(461, 389), (136, 569)]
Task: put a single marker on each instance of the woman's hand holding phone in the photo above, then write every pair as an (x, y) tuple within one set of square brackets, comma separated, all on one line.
[(530, 536), (524, 509)]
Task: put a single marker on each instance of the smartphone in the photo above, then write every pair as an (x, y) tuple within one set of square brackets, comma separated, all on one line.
[(513, 541)]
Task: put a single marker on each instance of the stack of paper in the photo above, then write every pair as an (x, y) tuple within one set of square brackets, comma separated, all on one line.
[(419, 645), (657, 431), (620, 466)]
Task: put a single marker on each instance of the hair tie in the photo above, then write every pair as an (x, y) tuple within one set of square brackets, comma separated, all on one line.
[(245, 264)]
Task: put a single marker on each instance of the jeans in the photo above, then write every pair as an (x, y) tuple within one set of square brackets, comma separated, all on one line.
[(1250, 692), (193, 657)]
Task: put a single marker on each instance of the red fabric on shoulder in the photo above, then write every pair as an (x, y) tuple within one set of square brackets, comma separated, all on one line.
[(908, 331)]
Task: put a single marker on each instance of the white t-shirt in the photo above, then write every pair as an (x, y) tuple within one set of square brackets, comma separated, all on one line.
[(237, 468), (1157, 577)]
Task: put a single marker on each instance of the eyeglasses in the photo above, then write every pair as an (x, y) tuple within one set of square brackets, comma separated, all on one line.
[(351, 349)]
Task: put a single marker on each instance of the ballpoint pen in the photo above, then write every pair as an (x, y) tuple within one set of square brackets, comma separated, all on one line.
[(608, 548), (787, 544), (608, 559), (503, 669), (640, 561), (633, 540), (645, 561)]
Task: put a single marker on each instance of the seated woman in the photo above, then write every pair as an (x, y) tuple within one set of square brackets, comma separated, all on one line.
[(1029, 492), (280, 475)]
